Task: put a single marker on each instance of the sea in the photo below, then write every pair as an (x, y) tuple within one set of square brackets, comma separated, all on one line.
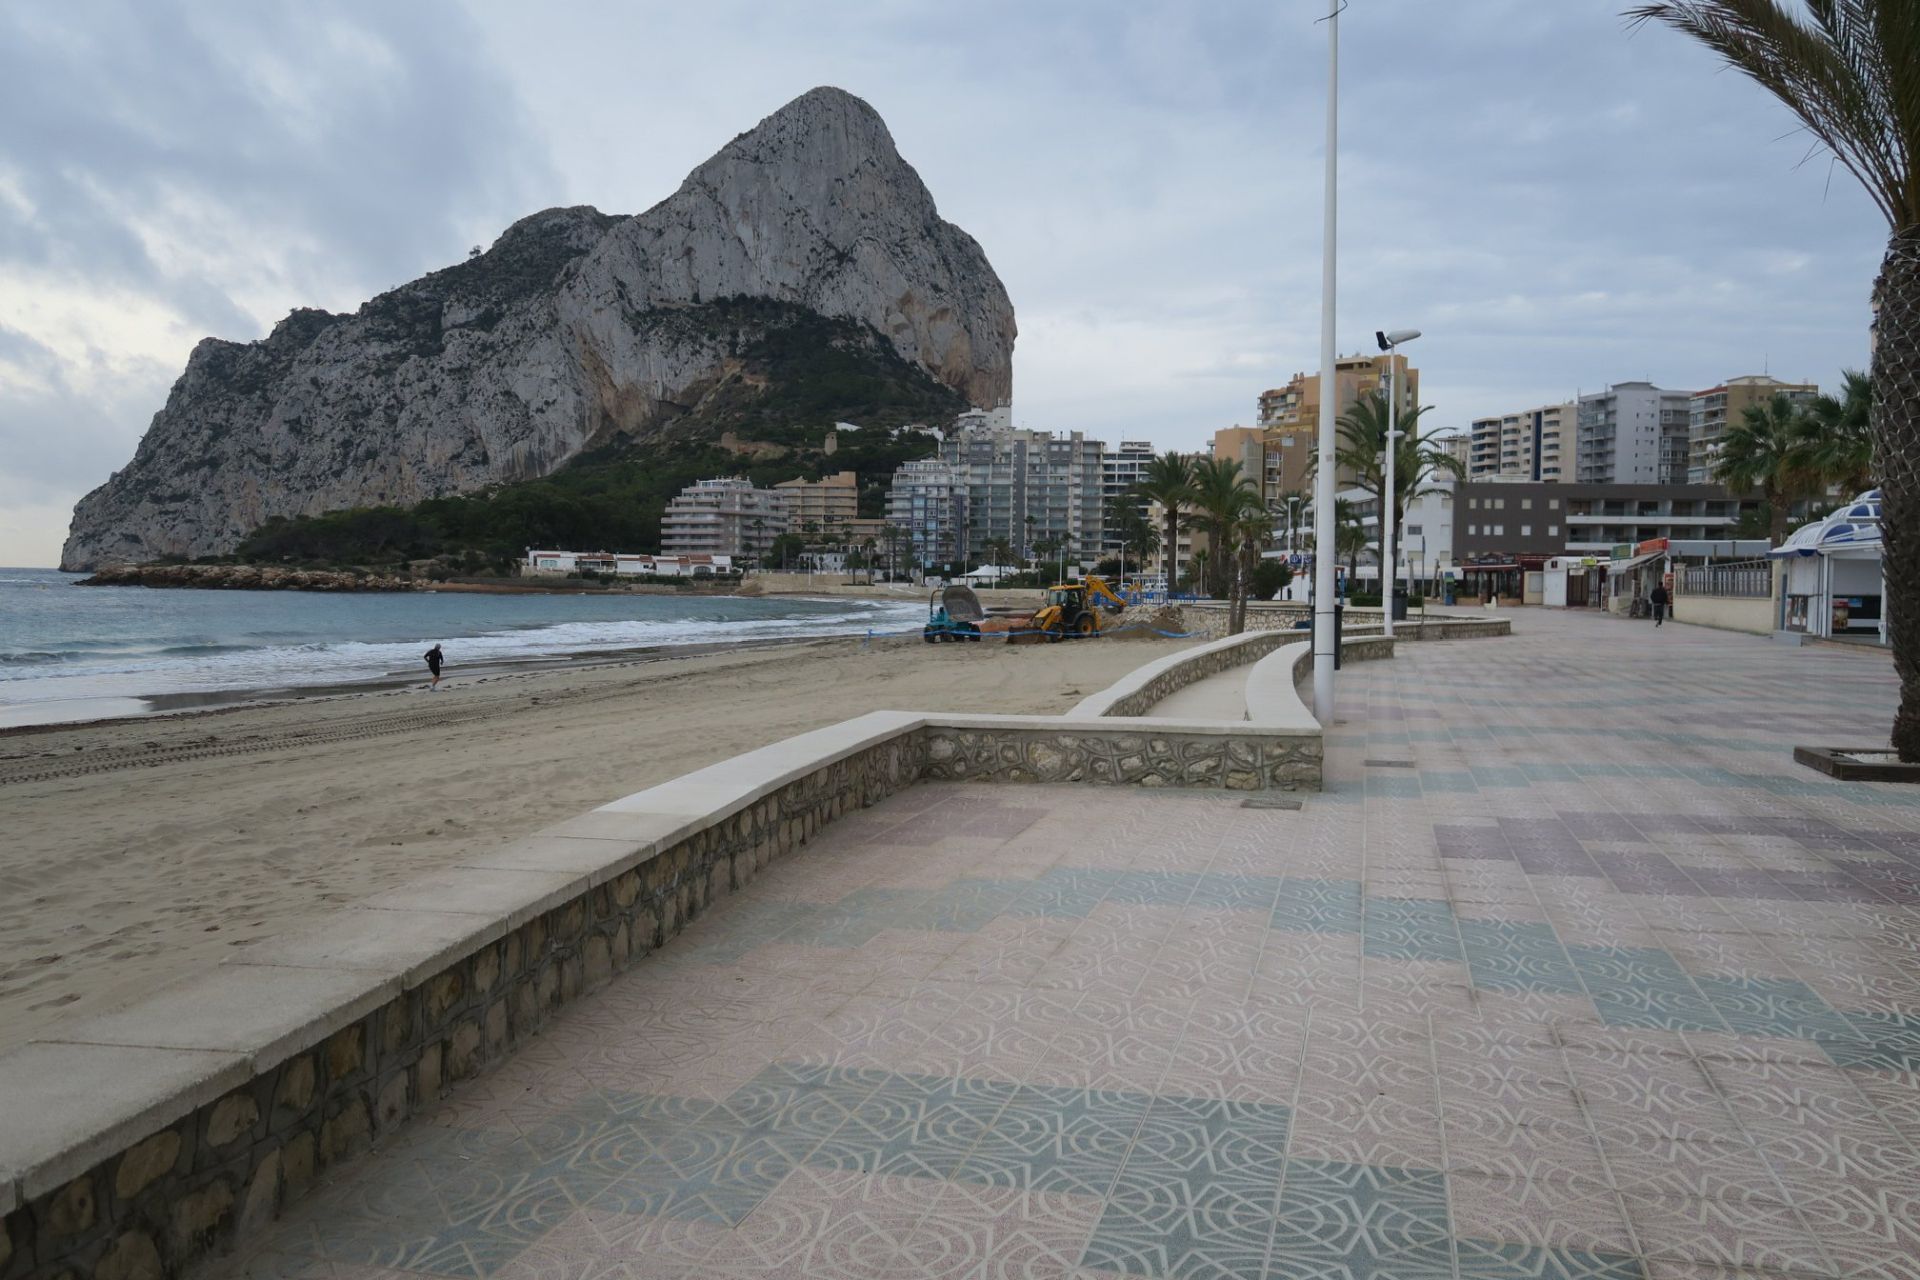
[(81, 653)]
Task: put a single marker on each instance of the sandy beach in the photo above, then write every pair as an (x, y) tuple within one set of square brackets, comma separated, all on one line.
[(138, 851)]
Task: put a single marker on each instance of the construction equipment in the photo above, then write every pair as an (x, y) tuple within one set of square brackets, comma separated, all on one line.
[(953, 613), (1072, 609)]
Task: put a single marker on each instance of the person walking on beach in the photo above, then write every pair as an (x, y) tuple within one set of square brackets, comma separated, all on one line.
[(1660, 600), (433, 664)]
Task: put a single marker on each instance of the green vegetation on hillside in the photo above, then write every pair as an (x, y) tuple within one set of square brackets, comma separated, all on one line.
[(798, 373)]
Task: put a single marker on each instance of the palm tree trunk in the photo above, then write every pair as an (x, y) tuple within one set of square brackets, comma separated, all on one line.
[(1896, 439), (1173, 550), (1776, 517)]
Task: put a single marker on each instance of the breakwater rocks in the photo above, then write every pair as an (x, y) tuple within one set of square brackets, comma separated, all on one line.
[(246, 577)]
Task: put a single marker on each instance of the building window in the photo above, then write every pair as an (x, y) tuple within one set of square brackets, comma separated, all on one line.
[(1526, 504), (1553, 531), (1526, 531), (1415, 531), (1473, 531), (1498, 530), (1473, 504), (1553, 504)]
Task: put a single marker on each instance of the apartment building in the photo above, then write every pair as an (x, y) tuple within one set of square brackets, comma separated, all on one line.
[(723, 517), (1533, 444), (1121, 471), (1028, 487), (1633, 433), (1522, 518), (1249, 447), (928, 499), (1712, 411), (823, 505), (1290, 416)]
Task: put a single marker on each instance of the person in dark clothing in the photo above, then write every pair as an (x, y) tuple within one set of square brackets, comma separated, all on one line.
[(433, 664), (1660, 600)]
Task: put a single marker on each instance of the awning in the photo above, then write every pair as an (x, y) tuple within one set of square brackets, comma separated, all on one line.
[(1621, 566)]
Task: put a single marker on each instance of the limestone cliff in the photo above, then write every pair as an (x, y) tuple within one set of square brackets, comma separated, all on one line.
[(574, 329)]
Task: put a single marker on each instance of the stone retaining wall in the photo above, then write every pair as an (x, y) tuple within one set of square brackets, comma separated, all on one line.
[(1127, 751), (139, 1145)]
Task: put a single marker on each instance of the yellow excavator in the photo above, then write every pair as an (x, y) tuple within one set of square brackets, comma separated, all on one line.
[(1072, 611)]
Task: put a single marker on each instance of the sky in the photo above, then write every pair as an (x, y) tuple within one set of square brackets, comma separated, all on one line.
[(1557, 201)]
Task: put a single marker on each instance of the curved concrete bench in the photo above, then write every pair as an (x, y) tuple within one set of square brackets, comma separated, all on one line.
[(1273, 685), (1137, 692)]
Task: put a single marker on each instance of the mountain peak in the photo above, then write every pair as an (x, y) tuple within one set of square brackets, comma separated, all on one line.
[(576, 328)]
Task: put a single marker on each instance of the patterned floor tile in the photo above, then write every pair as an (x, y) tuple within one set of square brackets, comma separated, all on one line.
[(1544, 1007)]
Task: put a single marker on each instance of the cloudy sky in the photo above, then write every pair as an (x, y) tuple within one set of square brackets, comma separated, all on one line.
[(1557, 202)]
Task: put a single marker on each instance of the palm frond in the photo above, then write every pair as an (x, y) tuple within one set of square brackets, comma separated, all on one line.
[(1851, 74)]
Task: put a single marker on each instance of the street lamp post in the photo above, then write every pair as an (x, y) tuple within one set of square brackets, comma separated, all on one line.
[(1325, 644), (1389, 562)]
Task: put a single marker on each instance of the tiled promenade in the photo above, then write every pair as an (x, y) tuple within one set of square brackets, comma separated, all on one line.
[(1574, 974)]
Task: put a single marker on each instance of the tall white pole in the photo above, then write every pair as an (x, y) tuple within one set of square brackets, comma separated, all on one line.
[(1389, 566), (1323, 480)]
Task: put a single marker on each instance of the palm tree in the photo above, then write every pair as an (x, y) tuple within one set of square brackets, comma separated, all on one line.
[(1842, 447), (1350, 537), (1168, 480), (1132, 530), (1249, 535), (1852, 75), (1198, 570), (1769, 449), (1221, 497), (1362, 450)]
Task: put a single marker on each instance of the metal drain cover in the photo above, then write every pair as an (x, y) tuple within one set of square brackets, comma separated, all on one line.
[(1388, 764), (1269, 802)]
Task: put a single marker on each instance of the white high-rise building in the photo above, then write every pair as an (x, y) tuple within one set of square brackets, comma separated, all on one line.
[(1633, 433), (929, 500), (1028, 487), (1121, 470), (1534, 444)]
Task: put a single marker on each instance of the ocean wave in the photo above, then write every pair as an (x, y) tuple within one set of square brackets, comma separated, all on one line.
[(179, 664)]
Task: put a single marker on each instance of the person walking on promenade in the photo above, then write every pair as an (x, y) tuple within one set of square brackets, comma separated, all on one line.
[(1660, 600), (433, 664)]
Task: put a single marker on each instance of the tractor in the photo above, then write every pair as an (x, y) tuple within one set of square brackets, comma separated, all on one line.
[(1071, 612)]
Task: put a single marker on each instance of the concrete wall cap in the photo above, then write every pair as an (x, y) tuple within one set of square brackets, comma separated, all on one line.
[(70, 1106), (1273, 693), (512, 897), (1098, 726), (718, 791), (600, 860), (266, 1012), (408, 946)]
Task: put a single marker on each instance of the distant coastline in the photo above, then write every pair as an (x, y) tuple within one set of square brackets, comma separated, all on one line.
[(248, 577)]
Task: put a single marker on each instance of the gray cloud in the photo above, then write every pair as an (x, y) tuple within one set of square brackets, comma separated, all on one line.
[(1558, 203), (214, 165)]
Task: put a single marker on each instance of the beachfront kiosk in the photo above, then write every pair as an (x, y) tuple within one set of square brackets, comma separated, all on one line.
[(1833, 577)]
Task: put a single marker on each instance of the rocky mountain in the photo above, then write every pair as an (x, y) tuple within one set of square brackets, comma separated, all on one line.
[(574, 331)]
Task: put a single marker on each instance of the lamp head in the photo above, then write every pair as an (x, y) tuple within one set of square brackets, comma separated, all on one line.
[(1391, 338)]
